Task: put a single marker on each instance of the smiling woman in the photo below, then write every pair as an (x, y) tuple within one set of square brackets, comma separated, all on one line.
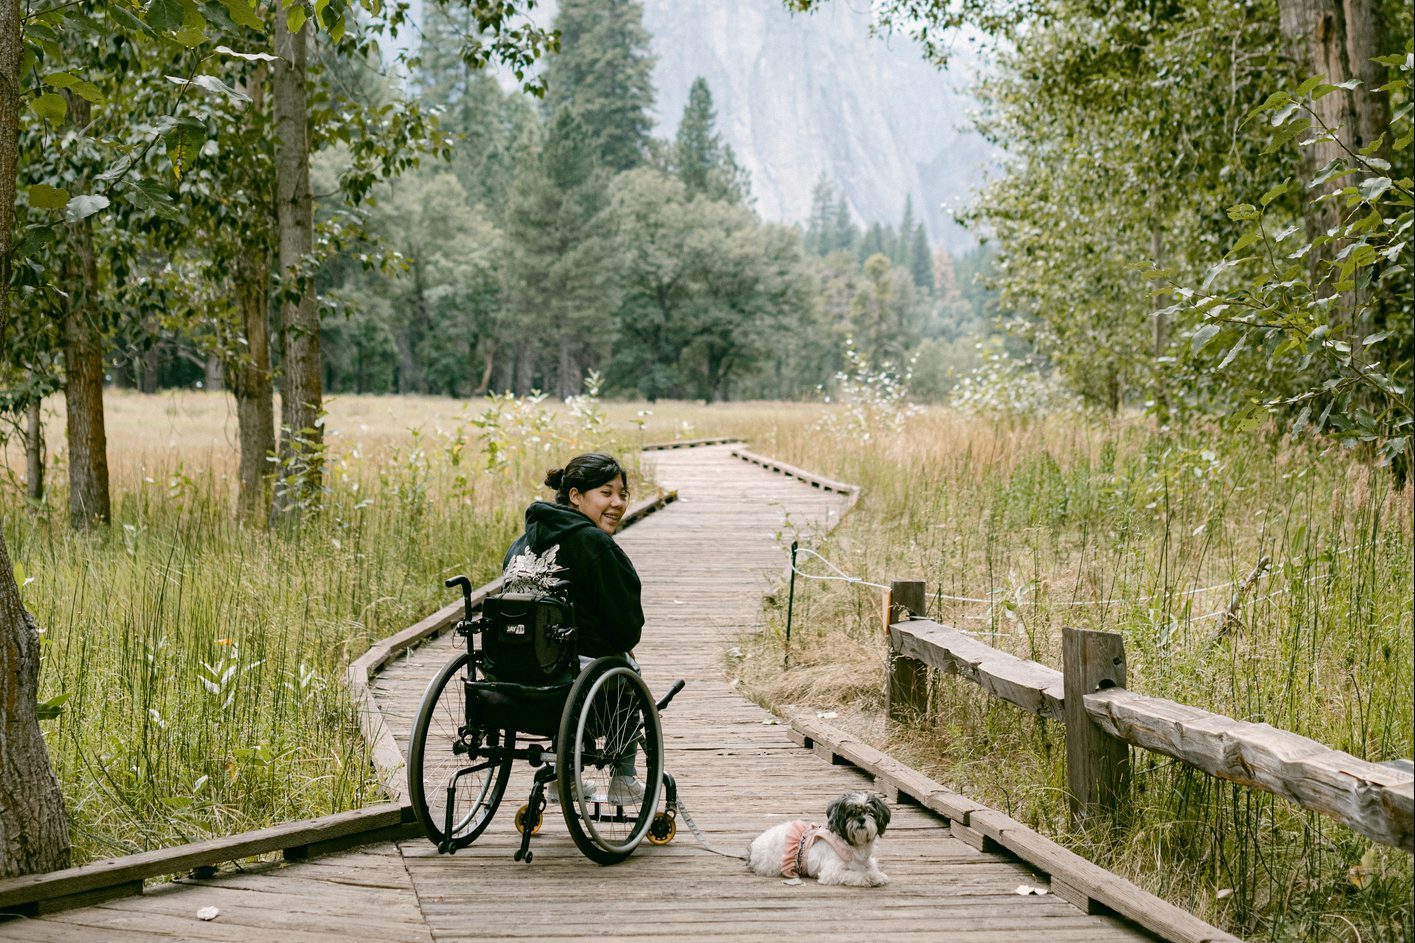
[(591, 496)]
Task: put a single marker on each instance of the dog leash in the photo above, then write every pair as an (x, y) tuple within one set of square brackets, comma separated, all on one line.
[(682, 811)]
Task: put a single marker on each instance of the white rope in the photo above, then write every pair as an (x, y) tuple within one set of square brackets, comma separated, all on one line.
[(841, 577)]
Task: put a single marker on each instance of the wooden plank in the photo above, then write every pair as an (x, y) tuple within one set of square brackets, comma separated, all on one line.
[(988, 830), (800, 474), (1375, 800), (116, 872), (1097, 764), (690, 443), (1033, 687), (1099, 887)]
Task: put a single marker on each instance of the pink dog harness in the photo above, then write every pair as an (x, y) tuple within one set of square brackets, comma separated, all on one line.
[(800, 835)]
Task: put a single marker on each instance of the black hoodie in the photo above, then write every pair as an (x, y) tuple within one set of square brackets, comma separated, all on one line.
[(603, 585)]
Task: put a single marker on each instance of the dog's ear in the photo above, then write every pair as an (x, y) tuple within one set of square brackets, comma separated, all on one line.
[(880, 812), (837, 815)]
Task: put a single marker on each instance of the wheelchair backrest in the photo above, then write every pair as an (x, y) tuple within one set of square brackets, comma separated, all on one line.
[(525, 639)]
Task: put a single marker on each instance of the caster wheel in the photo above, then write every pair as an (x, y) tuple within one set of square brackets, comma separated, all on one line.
[(521, 821), (663, 829)]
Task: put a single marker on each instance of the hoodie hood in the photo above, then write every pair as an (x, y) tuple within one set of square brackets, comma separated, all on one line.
[(549, 524)]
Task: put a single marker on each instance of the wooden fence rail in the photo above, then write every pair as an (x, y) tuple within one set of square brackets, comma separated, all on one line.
[(1376, 800)]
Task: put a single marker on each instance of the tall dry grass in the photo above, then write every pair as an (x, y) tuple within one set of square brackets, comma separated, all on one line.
[(196, 664), (1118, 526)]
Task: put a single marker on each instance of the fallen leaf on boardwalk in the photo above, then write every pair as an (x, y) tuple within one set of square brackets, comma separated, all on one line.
[(770, 722), (207, 913), (1026, 890), (734, 652), (792, 881), (677, 602), (827, 715)]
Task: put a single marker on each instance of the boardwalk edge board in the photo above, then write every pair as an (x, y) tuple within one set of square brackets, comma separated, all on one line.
[(800, 474), (36, 894), (690, 443), (1084, 884)]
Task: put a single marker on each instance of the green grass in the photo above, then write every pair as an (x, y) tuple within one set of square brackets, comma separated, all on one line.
[(1044, 519), (198, 664)]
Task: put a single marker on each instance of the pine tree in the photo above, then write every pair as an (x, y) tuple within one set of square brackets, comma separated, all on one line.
[(919, 258), (604, 77), (820, 224), (844, 235), (901, 248), (560, 276), (706, 166)]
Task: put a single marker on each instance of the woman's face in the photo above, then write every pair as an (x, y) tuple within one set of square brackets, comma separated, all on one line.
[(604, 505)]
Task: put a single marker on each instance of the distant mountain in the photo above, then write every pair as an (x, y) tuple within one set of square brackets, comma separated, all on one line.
[(797, 95)]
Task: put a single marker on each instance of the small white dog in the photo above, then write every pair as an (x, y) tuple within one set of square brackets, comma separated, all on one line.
[(841, 853)]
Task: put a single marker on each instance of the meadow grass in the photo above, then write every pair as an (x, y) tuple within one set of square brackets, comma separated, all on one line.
[(196, 663), (1115, 525), (202, 661)]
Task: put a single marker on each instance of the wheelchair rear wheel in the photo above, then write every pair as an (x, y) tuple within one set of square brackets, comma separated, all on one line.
[(448, 748), (609, 723)]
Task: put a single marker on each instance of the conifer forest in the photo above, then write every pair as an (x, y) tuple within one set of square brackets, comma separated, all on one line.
[(299, 299)]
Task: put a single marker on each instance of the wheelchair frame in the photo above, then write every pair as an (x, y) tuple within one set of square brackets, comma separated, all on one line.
[(465, 737)]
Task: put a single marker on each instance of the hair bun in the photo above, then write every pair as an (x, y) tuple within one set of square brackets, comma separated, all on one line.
[(555, 478)]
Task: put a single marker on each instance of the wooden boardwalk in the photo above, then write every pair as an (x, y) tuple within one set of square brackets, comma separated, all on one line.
[(704, 562)]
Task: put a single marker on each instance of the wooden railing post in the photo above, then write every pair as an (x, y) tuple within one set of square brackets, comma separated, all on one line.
[(908, 692), (1097, 764)]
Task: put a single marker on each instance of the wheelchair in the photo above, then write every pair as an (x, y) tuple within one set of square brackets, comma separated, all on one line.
[(522, 696)]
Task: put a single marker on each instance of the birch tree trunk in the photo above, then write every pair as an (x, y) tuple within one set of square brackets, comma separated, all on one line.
[(34, 452), (34, 831), (300, 467)]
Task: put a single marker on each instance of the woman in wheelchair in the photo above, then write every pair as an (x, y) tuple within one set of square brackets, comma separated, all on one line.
[(575, 535), (548, 678)]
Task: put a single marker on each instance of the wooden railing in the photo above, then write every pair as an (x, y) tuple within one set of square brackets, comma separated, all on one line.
[(1103, 719)]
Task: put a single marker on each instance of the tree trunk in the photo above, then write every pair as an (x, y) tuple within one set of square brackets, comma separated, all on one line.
[(34, 452), (83, 388), (1367, 37), (488, 347), (34, 831), (300, 468), (1316, 33), (251, 383)]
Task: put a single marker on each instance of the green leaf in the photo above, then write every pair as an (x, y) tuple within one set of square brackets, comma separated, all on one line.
[(82, 207), (243, 13), (190, 36), (85, 90), (212, 84), (50, 106), (164, 15), (1244, 241), (52, 708), (295, 19), (1243, 211), (184, 139), (1309, 84), (44, 197), (1274, 193), (1372, 187), (248, 56), (1202, 337)]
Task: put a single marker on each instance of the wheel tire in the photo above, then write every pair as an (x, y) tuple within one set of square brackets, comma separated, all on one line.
[(440, 724), (521, 820), (608, 712), (664, 829)]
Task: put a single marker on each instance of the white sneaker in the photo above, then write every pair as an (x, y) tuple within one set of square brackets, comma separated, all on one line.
[(624, 790)]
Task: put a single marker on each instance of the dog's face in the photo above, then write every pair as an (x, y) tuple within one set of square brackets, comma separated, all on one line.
[(858, 817)]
